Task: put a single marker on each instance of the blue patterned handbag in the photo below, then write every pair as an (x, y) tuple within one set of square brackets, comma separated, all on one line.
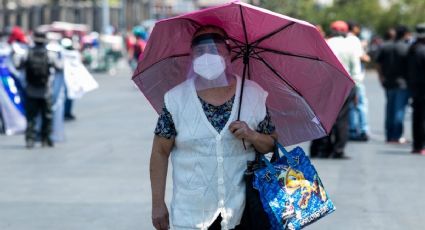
[(291, 191)]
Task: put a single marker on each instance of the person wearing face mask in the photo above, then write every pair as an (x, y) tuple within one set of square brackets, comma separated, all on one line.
[(209, 146)]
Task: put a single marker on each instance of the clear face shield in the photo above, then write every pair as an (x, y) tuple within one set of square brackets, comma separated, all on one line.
[(210, 67)]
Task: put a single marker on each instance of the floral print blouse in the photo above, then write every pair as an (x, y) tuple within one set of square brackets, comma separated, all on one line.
[(217, 116)]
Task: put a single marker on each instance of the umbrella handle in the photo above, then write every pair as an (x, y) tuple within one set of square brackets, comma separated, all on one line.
[(245, 71)]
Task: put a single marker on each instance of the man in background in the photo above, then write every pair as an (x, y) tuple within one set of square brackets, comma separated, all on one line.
[(392, 69), (39, 91), (416, 73), (358, 114), (333, 146)]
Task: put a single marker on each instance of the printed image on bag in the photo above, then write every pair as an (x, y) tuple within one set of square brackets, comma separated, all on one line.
[(291, 191)]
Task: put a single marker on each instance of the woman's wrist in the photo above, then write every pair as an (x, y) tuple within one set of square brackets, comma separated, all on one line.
[(262, 142), (157, 202), (253, 137)]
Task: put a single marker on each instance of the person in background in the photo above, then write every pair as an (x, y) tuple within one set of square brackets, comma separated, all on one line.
[(377, 42), (19, 43), (138, 46), (12, 112), (39, 91), (392, 69), (358, 114), (69, 52), (416, 74), (5, 52), (333, 145), (129, 40), (390, 35), (17, 35), (10, 64), (58, 87)]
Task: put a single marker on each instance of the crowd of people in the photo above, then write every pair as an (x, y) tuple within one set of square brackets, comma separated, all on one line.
[(41, 75), (400, 63), (44, 71), (401, 67), (399, 60)]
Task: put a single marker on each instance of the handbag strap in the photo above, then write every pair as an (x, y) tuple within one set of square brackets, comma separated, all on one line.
[(275, 156), (289, 157), (278, 147), (268, 165)]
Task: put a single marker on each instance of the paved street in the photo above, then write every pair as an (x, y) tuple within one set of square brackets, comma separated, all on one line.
[(99, 178)]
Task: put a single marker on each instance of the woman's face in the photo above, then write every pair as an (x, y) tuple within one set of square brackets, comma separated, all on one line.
[(216, 48)]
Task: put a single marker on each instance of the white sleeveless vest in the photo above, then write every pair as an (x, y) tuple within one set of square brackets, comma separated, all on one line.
[(208, 166)]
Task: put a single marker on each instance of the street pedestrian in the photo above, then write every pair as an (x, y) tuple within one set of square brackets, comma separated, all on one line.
[(58, 87), (279, 65), (390, 34), (69, 52), (416, 73), (12, 114), (392, 70), (198, 119), (20, 44), (39, 91), (78, 80), (358, 108), (137, 46), (333, 145)]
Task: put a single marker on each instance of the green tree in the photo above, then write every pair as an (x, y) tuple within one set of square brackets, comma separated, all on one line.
[(365, 12), (403, 12), (368, 13), (307, 10)]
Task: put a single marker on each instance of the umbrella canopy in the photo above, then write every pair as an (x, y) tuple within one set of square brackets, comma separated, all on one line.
[(307, 84)]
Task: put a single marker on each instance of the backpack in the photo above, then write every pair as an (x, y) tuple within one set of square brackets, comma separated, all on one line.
[(37, 67)]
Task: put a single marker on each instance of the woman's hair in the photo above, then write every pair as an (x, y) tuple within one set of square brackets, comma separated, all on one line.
[(211, 32), (215, 29)]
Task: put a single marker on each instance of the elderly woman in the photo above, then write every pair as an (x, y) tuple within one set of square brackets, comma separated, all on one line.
[(209, 146)]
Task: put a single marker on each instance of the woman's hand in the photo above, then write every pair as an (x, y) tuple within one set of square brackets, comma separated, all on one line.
[(161, 149), (262, 143), (241, 130), (160, 217)]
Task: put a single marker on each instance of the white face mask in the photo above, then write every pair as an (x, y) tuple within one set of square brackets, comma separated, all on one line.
[(209, 66)]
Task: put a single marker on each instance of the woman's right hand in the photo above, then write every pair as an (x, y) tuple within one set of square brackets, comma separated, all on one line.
[(161, 149), (160, 217)]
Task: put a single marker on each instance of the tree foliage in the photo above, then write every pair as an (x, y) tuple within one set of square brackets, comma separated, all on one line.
[(369, 13)]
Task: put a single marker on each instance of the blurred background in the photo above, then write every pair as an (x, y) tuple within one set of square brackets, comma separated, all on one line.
[(97, 175), (98, 15)]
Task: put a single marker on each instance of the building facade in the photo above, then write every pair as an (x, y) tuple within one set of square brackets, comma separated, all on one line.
[(121, 14)]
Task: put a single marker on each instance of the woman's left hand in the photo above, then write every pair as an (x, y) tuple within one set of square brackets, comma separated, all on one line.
[(241, 130)]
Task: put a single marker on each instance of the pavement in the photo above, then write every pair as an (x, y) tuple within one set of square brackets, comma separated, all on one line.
[(98, 179)]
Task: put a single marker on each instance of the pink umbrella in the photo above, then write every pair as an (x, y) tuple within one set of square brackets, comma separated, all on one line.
[(307, 84)]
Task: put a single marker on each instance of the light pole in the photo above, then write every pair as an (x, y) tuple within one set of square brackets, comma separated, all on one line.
[(150, 7), (5, 13), (123, 23), (105, 16)]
